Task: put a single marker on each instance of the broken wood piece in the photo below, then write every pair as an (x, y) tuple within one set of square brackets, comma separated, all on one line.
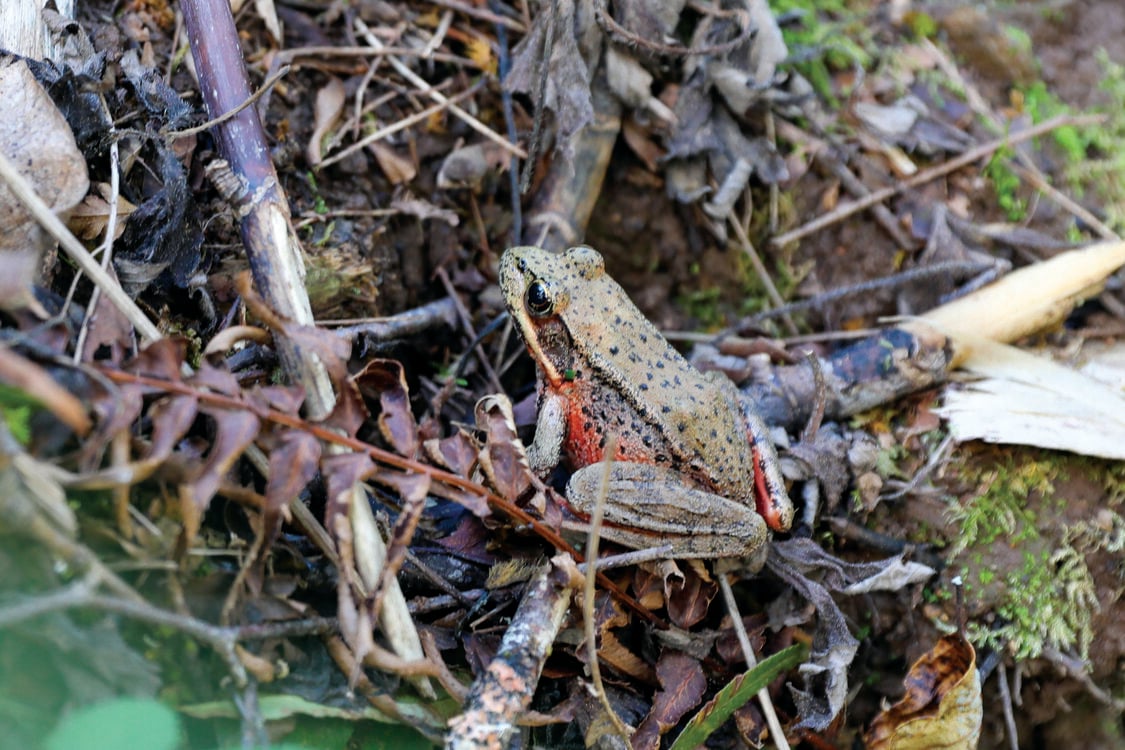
[(921, 352), (503, 692)]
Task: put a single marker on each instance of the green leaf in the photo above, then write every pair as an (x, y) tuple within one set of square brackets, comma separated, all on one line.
[(117, 724), (735, 695)]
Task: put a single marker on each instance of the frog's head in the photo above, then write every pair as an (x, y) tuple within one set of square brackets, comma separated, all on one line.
[(537, 286)]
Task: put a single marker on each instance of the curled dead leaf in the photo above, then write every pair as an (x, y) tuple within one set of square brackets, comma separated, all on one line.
[(942, 706), (386, 380), (503, 459), (329, 106), (25, 375)]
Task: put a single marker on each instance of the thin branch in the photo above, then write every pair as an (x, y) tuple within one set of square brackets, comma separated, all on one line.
[(589, 590), (402, 124), (429, 91), (76, 251), (777, 734), (844, 210), (763, 274), (232, 112)]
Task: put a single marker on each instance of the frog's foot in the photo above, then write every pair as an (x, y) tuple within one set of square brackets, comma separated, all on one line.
[(649, 506)]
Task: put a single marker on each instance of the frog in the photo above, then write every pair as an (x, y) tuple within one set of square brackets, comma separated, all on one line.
[(683, 461)]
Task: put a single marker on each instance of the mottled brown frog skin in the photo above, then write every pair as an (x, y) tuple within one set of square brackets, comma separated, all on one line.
[(691, 465)]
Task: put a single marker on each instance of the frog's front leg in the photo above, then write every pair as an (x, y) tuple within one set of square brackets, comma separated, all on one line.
[(649, 506), (545, 450)]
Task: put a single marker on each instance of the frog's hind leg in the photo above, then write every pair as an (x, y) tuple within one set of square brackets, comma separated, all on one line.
[(648, 506)]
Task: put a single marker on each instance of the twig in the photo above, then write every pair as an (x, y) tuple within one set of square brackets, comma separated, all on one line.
[(482, 15), (887, 220), (402, 124), (1037, 181), (1077, 669), (503, 691), (763, 274), (945, 269), (777, 734), (589, 615), (408, 323), (808, 435), (936, 457), (82, 595), (429, 91), (107, 246), (467, 323), (845, 210), (1006, 705), (503, 68), (76, 251), (269, 82), (1027, 169)]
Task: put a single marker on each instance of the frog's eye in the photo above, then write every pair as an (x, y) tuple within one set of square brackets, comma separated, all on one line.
[(538, 299)]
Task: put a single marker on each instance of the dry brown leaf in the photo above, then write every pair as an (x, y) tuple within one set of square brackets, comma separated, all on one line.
[(268, 13), (385, 380), (293, 464), (615, 654), (398, 169), (682, 686), (503, 460), (690, 602), (639, 141), (234, 432), (40, 144), (89, 218), (329, 106), (25, 375), (942, 706), (457, 453)]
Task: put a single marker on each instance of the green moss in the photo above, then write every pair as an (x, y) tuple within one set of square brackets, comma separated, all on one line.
[(1006, 184), (1001, 508), (1095, 154), (1049, 603), (1048, 599), (828, 36)]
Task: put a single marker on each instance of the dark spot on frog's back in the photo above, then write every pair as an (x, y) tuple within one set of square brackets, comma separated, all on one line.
[(614, 349)]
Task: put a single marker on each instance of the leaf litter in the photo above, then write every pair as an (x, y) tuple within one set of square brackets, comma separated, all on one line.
[(699, 86)]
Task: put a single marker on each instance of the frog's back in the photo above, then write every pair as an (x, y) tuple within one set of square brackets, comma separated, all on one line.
[(694, 413)]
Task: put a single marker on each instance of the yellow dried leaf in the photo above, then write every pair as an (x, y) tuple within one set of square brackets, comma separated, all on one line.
[(942, 706), (479, 50)]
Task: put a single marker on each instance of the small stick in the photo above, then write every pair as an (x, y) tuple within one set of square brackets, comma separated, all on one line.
[(76, 251), (763, 274), (1006, 704), (481, 14), (777, 734), (844, 210), (429, 91), (589, 589), (402, 124)]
